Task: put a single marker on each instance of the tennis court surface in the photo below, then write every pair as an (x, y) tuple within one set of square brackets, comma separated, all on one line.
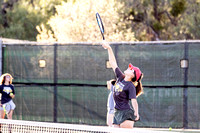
[(19, 126)]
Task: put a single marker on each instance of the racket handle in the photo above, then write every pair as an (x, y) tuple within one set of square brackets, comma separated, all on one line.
[(4, 108)]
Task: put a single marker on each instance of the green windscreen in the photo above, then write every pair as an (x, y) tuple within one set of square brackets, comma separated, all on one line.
[(71, 88)]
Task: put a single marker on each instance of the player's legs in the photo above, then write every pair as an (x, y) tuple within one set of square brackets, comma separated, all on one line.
[(10, 114), (117, 126), (110, 113), (110, 116), (127, 124), (12, 107), (109, 119), (2, 114)]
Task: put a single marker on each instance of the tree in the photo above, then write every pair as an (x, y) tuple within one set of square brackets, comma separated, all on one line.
[(156, 19), (19, 18), (75, 22), (190, 22)]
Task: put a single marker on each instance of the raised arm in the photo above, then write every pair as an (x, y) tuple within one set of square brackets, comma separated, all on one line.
[(111, 56)]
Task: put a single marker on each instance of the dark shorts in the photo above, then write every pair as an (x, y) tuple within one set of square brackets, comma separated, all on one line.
[(121, 115)]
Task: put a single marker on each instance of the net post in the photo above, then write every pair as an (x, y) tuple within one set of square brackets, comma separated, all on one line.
[(185, 89), (1, 56), (55, 84), (1, 64)]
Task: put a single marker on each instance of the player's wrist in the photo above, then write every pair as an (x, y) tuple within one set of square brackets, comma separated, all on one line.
[(109, 47), (136, 114)]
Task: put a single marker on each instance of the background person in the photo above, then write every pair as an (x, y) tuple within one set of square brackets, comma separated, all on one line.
[(110, 103), (7, 94)]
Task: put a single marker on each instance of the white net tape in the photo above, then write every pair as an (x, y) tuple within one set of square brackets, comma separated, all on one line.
[(19, 126)]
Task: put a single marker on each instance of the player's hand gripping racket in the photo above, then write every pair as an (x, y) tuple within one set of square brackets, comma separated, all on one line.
[(100, 23)]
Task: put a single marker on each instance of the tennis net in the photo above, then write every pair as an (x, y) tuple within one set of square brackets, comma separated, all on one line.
[(19, 126)]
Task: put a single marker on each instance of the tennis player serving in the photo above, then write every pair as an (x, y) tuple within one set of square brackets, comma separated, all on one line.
[(127, 87)]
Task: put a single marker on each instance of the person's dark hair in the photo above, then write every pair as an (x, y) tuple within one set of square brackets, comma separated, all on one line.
[(113, 81), (134, 79), (138, 84)]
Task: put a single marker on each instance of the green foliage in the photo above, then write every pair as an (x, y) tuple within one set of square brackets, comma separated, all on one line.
[(24, 16), (21, 23), (157, 26), (191, 21), (72, 20), (163, 19), (178, 7)]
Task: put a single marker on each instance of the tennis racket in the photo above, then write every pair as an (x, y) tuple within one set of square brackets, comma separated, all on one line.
[(6, 109), (100, 23)]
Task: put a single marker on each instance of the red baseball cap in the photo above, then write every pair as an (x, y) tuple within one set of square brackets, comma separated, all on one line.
[(136, 69)]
